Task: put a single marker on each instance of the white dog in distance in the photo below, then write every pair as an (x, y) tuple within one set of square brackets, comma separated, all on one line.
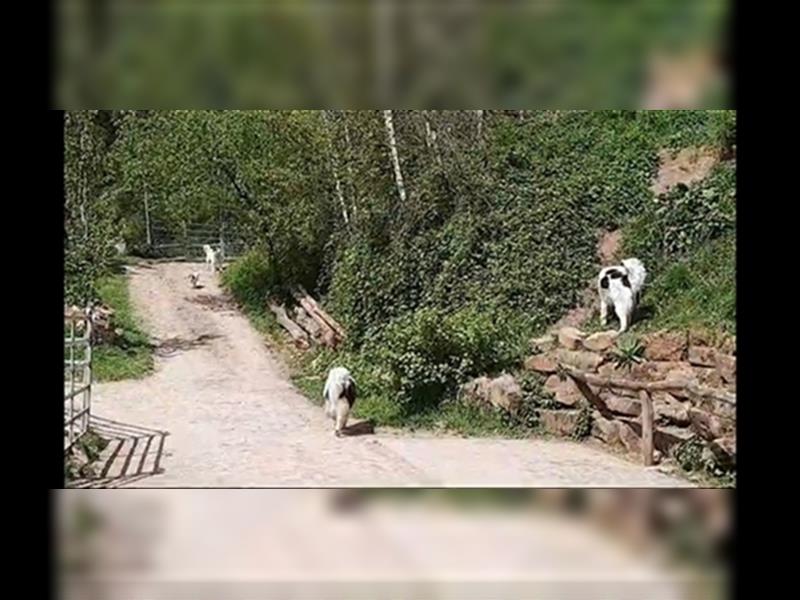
[(620, 288), (212, 257), (340, 396)]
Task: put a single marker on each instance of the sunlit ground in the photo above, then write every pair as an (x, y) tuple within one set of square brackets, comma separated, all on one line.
[(356, 543)]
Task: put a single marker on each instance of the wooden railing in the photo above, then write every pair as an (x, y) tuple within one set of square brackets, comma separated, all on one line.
[(584, 380)]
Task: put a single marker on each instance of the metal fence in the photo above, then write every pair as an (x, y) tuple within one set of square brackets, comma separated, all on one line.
[(77, 375), (187, 241)]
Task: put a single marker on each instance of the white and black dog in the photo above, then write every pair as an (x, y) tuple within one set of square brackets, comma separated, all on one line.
[(620, 287), (212, 257), (340, 396)]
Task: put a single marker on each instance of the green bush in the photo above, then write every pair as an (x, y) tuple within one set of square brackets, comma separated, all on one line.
[(251, 279), (428, 353)]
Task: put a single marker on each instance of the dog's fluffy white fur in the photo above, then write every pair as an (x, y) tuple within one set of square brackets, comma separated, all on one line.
[(620, 287), (340, 396), (212, 257)]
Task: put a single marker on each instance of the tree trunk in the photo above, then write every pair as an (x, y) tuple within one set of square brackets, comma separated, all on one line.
[(398, 174), (334, 160)]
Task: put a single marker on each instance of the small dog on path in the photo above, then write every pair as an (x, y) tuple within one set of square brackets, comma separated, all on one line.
[(340, 396), (194, 278), (620, 288)]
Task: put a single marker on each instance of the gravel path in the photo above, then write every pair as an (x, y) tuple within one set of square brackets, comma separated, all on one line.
[(233, 418)]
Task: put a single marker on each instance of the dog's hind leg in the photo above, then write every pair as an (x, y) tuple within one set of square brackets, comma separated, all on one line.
[(342, 412)]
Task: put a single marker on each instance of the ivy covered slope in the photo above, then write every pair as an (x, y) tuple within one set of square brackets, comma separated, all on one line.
[(498, 239)]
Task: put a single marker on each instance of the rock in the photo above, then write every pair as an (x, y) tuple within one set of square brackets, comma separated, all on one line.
[(724, 451), (609, 369), (606, 430), (600, 341), (570, 338), (720, 408), (728, 345), (665, 437), (702, 356), (666, 345), (580, 359), (668, 408), (564, 391), (502, 392), (622, 405), (559, 422), (708, 377), (544, 343), (669, 436), (475, 392), (726, 367), (629, 438), (505, 393), (708, 426), (541, 363)]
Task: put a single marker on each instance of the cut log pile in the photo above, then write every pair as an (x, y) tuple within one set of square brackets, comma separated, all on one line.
[(306, 323)]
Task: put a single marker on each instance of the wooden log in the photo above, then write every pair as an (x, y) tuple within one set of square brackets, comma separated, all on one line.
[(297, 333), (320, 334), (647, 427), (305, 321), (313, 309), (668, 385)]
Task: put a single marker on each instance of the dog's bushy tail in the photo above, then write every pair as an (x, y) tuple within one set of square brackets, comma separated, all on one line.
[(636, 273)]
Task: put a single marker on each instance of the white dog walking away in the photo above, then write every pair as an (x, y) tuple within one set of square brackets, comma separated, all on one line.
[(620, 287), (212, 257), (340, 396)]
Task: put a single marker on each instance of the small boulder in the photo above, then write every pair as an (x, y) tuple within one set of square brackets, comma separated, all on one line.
[(475, 392), (564, 390), (666, 345), (541, 363), (724, 451), (559, 422), (600, 341), (606, 430), (505, 393), (728, 345), (667, 408), (629, 438), (726, 367), (622, 405), (707, 425), (702, 356), (570, 338), (580, 359), (544, 343)]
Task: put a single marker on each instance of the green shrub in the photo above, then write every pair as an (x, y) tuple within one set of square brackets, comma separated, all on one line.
[(428, 353), (251, 278)]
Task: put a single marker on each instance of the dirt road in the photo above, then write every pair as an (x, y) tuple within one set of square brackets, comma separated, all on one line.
[(233, 418)]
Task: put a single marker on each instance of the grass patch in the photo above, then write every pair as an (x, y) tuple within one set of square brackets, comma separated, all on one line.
[(130, 356), (699, 291)]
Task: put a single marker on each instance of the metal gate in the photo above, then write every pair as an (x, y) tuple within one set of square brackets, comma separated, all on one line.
[(77, 375), (186, 242)]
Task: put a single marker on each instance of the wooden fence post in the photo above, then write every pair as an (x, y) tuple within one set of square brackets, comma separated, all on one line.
[(647, 427)]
